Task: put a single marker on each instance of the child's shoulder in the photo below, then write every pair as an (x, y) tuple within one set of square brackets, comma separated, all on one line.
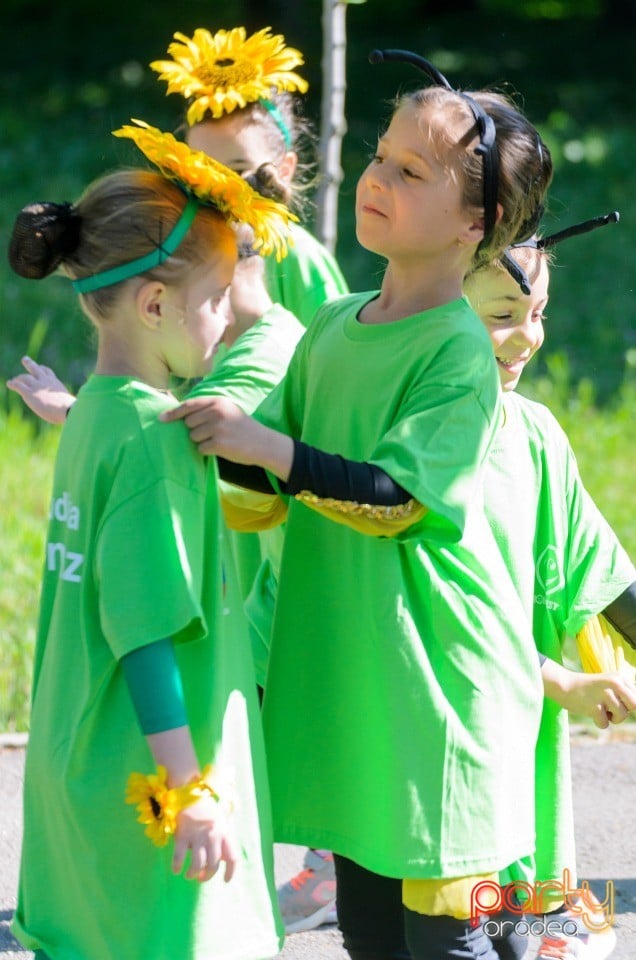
[(537, 418), (129, 409), (343, 306)]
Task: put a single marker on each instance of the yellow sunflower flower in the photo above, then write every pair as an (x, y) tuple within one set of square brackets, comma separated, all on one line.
[(157, 804), (229, 70), (214, 183)]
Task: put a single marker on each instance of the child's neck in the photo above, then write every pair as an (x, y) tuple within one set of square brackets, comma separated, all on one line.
[(405, 293), (116, 360)]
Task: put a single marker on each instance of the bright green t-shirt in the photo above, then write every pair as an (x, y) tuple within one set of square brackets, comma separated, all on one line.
[(131, 557), (306, 277), (568, 565), (403, 693), (254, 364)]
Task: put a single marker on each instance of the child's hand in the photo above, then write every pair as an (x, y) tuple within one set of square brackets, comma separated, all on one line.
[(200, 830), (219, 428), (42, 391), (604, 697)]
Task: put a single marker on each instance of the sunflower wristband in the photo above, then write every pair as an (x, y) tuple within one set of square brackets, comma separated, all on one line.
[(158, 805)]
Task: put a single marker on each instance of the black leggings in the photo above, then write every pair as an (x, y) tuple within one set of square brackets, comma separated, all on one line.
[(376, 926)]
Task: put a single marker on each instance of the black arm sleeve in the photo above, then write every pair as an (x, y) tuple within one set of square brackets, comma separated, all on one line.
[(621, 613), (251, 477), (330, 475)]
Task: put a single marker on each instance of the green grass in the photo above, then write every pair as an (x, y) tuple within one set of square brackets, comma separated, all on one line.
[(27, 453)]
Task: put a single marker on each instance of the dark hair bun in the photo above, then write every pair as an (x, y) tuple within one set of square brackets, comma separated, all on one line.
[(43, 234), (267, 182)]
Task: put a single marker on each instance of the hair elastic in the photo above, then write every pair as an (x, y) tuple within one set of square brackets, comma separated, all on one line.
[(278, 119), (153, 259)]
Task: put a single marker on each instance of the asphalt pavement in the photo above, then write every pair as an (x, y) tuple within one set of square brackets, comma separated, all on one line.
[(604, 768)]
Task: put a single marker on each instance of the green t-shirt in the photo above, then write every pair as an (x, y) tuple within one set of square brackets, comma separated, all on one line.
[(403, 693), (568, 565), (305, 278), (130, 559), (254, 364)]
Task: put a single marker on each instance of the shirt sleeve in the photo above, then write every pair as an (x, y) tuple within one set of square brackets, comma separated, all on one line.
[(437, 447), (148, 564)]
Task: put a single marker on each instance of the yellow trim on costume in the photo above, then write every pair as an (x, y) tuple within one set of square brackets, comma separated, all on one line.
[(249, 511), (366, 518), (449, 898), (603, 650)]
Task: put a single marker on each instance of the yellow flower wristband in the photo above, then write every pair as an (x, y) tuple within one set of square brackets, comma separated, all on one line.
[(158, 804)]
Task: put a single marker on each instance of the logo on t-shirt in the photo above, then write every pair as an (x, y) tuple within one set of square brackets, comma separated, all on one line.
[(549, 572), (58, 557), (549, 576)]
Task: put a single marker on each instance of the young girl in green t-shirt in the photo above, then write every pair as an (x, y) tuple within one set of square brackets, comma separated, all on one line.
[(567, 565), (394, 602), (131, 662), (243, 110)]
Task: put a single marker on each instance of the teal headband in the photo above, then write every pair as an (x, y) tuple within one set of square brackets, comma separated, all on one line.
[(153, 259), (279, 120)]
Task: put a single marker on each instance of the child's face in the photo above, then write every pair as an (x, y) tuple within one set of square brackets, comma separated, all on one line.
[(409, 198), (238, 142), (198, 315), (232, 140), (513, 319)]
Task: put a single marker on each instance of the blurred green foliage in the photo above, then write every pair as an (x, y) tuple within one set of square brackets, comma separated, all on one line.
[(70, 75)]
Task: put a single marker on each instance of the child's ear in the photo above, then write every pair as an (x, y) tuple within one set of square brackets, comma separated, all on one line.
[(474, 231), (287, 166), (150, 303)]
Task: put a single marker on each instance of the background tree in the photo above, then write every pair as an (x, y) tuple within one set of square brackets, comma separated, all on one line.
[(333, 124)]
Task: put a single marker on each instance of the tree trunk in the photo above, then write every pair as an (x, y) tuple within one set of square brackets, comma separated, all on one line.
[(332, 121)]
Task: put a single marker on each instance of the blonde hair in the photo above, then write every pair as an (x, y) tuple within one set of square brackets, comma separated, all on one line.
[(525, 165)]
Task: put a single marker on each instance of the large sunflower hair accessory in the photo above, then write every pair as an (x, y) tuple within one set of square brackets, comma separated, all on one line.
[(158, 804), (212, 182), (221, 72)]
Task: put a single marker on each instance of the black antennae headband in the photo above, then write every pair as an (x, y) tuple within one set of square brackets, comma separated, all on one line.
[(544, 243)]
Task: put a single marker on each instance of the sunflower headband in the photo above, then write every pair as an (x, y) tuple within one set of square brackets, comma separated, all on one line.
[(221, 72), (205, 182)]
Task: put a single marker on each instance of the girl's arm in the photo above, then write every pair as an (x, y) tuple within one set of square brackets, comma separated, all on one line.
[(604, 697), (325, 475), (42, 391), (154, 681), (357, 494), (245, 448)]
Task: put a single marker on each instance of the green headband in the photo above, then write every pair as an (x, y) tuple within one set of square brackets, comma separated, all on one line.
[(278, 119), (153, 259)]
